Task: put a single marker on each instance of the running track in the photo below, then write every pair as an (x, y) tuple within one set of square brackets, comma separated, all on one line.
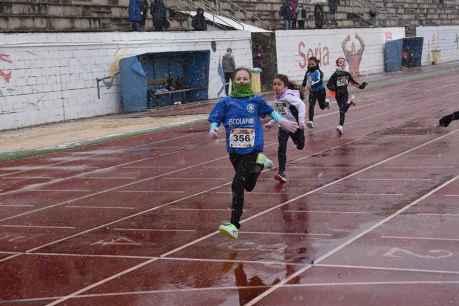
[(367, 219)]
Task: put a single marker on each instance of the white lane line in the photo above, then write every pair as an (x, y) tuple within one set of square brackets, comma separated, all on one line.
[(152, 191), (432, 214), (451, 195), (286, 234), (109, 178), (351, 240), (386, 268), (26, 177), (199, 179), (363, 194), (204, 209), (418, 238), (87, 255), (100, 207), (37, 226), (394, 179), (10, 257), (332, 212), (256, 192), (57, 190), (152, 229), (16, 205)]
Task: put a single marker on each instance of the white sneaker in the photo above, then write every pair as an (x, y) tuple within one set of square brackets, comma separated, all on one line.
[(229, 230), (310, 124), (339, 128)]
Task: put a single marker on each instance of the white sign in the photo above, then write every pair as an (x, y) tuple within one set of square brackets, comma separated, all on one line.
[(362, 48), (441, 44)]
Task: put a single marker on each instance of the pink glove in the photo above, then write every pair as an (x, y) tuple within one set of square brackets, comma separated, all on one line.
[(289, 125), (213, 134), (270, 124)]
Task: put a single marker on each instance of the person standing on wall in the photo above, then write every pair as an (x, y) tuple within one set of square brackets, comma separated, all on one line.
[(158, 12), (137, 14), (199, 21), (300, 15), (229, 66), (286, 14)]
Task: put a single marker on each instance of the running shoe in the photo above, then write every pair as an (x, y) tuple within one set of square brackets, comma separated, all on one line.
[(265, 161), (340, 130), (229, 230), (310, 124)]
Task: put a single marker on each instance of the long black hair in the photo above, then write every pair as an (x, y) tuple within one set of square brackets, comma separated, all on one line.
[(289, 84)]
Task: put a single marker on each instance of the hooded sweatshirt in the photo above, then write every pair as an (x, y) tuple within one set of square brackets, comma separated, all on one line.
[(290, 105)]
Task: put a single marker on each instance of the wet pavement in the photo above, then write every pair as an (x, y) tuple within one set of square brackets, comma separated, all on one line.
[(366, 219)]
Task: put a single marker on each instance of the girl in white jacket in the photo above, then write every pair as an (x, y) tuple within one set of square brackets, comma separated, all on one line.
[(290, 104)]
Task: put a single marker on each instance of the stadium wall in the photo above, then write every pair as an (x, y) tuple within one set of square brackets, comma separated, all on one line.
[(441, 44), (48, 78)]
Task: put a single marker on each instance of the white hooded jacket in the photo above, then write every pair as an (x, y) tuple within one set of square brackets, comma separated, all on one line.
[(290, 98)]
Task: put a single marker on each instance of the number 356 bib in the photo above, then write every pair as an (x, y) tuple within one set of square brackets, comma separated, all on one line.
[(242, 138)]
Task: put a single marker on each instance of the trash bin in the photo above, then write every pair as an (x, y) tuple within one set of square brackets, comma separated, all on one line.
[(256, 80), (436, 57)]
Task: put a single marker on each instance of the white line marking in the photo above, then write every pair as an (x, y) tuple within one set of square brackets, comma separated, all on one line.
[(256, 192), (451, 195), (363, 194), (351, 240), (433, 214), (148, 167), (152, 230), (286, 234), (394, 179), (109, 178), (371, 283), (198, 179), (37, 226), (204, 209), (56, 190), (88, 255), (100, 207), (10, 257), (16, 205), (386, 268), (419, 238), (331, 212), (274, 263), (151, 191), (27, 177)]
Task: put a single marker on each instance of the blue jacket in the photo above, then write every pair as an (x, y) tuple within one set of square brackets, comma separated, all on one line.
[(136, 10), (315, 79), (241, 119)]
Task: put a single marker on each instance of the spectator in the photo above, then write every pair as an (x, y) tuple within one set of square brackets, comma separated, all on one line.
[(229, 66), (300, 15), (158, 12), (137, 13), (199, 21), (286, 14)]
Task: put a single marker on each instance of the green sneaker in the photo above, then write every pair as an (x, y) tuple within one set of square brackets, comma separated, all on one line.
[(263, 160), (229, 230)]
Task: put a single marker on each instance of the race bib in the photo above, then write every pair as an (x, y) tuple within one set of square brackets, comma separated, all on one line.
[(342, 81), (281, 107), (242, 138)]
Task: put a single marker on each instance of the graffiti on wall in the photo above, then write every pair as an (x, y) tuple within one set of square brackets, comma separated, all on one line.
[(320, 52), (4, 73), (353, 52)]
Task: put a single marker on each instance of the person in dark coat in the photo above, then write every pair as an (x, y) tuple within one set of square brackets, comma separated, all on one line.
[(199, 21), (137, 13), (158, 12), (286, 13)]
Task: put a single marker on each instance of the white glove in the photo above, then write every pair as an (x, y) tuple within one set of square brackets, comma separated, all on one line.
[(213, 133), (289, 125)]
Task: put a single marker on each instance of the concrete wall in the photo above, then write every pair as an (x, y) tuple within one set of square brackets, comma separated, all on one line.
[(52, 77), (443, 40), (295, 47)]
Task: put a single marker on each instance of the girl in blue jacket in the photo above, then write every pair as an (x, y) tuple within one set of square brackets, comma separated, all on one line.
[(313, 81), (240, 115)]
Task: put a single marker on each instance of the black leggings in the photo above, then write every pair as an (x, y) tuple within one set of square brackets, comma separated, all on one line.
[(247, 173), (316, 96), (283, 136), (343, 107)]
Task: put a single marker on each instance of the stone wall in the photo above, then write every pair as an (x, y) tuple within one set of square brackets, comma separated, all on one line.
[(111, 15)]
